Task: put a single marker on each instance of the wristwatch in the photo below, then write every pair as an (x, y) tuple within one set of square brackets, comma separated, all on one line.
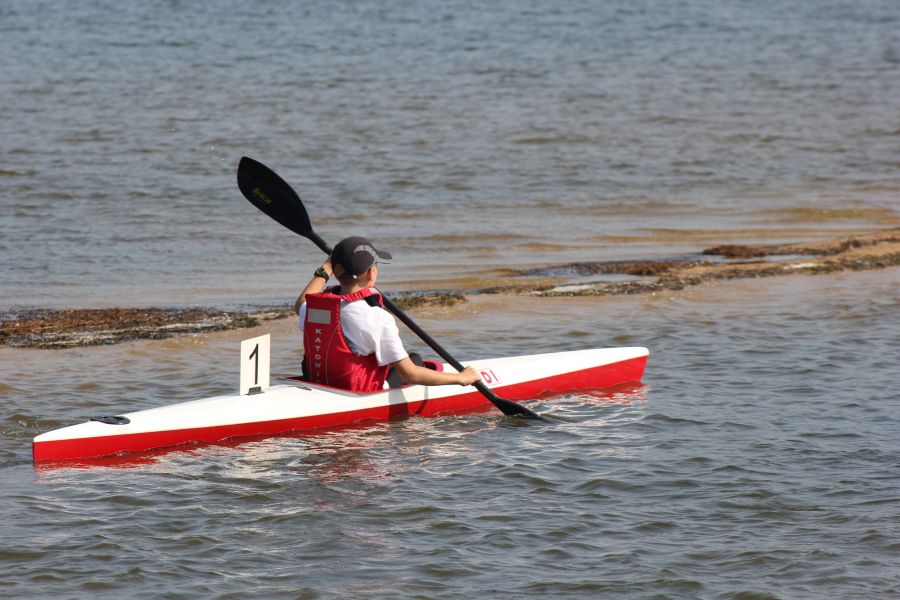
[(320, 272)]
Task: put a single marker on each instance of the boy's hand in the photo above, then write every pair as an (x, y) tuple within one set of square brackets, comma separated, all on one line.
[(468, 376)]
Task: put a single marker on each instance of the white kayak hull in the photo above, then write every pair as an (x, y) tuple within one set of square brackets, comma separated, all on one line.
[(303, 406)]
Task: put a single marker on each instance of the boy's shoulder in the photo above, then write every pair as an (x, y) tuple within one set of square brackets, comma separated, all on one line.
[(363, 309)]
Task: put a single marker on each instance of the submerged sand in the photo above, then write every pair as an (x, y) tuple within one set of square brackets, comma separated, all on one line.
[(65, 328)]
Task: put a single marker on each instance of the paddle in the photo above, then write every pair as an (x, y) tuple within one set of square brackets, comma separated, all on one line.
[(272, 195)]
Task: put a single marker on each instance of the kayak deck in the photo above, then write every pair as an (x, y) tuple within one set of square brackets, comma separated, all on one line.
[(300, 405)]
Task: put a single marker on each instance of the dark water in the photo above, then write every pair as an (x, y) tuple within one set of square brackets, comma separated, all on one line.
[(760, 458)]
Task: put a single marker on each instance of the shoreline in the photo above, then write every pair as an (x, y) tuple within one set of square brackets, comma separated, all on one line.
[(68, 328)]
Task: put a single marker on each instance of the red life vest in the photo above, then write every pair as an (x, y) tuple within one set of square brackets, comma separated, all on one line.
[(329, 359)]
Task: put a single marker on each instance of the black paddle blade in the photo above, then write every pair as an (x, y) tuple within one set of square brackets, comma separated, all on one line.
[(513, 409), (271, 194), (507, 407)]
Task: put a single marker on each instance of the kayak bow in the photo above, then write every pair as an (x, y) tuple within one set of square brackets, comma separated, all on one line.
[(297, 405)]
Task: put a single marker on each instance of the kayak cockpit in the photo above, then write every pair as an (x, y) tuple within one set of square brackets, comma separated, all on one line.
[(394, 382)]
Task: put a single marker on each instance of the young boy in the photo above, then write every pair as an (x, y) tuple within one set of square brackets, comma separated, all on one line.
[(350, 341)]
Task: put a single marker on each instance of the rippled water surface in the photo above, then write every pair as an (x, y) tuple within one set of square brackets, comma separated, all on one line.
[(466, 135), (759, 458)]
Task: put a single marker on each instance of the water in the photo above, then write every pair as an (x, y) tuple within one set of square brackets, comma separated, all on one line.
[(469, 137), (759, 458)]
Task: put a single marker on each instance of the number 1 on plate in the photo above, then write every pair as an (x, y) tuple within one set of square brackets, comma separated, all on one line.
[(255, 364)]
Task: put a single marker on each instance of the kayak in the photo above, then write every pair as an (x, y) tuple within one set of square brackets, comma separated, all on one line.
[(296, 405)]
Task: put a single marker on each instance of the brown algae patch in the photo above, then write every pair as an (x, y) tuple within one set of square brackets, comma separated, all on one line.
[(878, 250), (820, 248), (411, 301), (66, 328), (736, 251)]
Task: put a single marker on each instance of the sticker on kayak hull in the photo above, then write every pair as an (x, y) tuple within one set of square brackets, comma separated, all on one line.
[(489, 377)]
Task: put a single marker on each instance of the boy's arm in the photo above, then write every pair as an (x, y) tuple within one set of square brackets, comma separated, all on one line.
[(412, 373), (315, 285)]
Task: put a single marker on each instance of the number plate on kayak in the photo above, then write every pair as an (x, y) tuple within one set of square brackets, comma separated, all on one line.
[(255, 364)]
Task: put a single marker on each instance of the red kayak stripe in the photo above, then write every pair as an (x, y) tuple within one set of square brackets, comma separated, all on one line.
[(596, 377)]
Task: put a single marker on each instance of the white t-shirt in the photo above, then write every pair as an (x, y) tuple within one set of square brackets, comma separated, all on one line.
[(368, 330)]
